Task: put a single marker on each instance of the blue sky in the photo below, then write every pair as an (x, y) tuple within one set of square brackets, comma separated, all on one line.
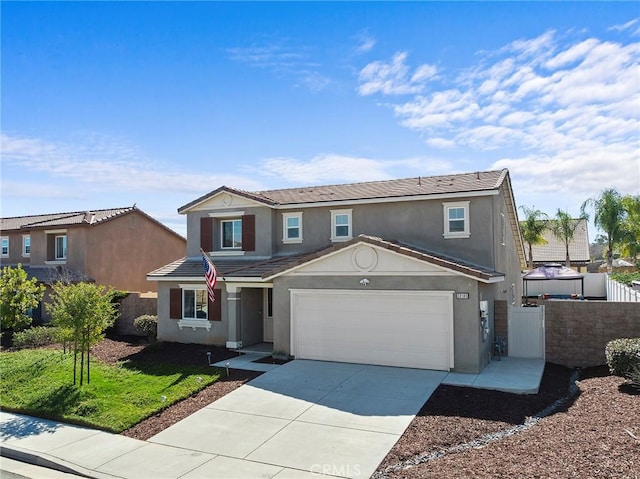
[(106, 104)]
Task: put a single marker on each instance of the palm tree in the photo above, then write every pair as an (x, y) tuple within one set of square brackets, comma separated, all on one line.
[(563, 227), (532, 228), (609, 215)]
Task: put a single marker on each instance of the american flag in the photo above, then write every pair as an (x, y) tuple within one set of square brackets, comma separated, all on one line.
[(210, 275)]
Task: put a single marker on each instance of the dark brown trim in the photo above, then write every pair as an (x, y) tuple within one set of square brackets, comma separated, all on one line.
[(249, 233), (215, 307), (206, 233), (175, 303)]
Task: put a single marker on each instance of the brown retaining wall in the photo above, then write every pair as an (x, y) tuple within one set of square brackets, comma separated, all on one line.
[(576, 332)]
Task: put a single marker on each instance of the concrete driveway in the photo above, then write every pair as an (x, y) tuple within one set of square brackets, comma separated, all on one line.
[(335, 419)]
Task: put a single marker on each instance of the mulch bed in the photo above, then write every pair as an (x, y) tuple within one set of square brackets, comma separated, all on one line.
[(271, 360), (593, 434)]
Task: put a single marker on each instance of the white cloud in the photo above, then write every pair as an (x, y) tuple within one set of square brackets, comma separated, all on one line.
[(559, 110), (107, 163), (326, 168), (334, 168), (284, 61), (624, 26), (442, 143), (394, 78), (366, 43)]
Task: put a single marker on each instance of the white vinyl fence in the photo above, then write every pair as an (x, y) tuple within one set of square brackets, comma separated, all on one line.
[(621, 293)]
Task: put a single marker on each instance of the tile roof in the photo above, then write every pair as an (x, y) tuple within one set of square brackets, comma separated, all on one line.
[(428, 185), (267, 269), (89, 217), (554, 251), (422, 254)]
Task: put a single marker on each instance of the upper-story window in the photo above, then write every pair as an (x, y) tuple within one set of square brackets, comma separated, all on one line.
[(26, 245), (228, 233), (4, 246), (456, 220), (61, 247), (292, 227), (341, 227), (231, 233)]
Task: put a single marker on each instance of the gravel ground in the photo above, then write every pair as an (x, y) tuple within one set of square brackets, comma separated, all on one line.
[(595, 433)]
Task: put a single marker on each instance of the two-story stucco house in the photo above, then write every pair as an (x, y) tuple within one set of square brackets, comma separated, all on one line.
[(389, 272), (112, 247)]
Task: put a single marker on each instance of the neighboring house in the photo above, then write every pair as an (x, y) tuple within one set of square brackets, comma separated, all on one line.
[(113, 247), (389, 272), (553, 251)]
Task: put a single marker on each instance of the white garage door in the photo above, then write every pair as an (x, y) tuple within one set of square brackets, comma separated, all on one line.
[(393, 328)]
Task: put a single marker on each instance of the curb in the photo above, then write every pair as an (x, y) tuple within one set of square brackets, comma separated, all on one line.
[(45, 460)]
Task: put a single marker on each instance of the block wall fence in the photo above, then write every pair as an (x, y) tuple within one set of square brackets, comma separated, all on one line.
[(576, 332)]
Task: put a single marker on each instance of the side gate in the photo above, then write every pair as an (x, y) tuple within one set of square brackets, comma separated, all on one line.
[(526, 332)]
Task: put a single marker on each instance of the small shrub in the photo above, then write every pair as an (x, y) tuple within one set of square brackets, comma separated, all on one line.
[(36, 337), (623, 355), (148, 324)]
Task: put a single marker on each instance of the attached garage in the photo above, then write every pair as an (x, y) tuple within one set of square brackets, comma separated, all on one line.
[(391, 328)]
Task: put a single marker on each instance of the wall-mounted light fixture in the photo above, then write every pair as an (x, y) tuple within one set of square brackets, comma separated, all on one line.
[(364, 282)]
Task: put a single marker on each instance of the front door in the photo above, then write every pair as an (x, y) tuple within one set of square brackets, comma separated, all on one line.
[(267, 322)]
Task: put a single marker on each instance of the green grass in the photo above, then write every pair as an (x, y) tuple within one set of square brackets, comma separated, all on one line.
[(40, 383)]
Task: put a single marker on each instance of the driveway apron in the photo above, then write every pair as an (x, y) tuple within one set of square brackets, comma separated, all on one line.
[(334, 419)]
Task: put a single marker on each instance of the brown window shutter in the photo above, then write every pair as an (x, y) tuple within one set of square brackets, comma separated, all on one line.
[(175, 303), (206, 234), (249, 233), (215, 308)]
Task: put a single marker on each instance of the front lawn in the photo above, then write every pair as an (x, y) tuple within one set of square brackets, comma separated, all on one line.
[(40, 383)]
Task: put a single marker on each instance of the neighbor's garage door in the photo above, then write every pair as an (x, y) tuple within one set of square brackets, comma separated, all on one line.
[(393, 328)]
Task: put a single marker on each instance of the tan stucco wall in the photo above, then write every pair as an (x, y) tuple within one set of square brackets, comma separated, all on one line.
[(120, 252)]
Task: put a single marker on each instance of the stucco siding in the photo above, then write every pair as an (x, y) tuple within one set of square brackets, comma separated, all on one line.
[(263, 227), (120, 252), (419, 223), (168, 329)]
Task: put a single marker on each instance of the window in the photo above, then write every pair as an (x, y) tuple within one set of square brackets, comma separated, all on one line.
[(341, 225), (4, 251), (292, 227), (231, 233), (195, 303), (61, 247), (26, 245), (456, 220), (503, 228)]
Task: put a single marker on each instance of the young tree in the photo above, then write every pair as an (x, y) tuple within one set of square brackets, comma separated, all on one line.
[(608, 216), (18, 295), (83, 311), (532, 228), (563, 227)]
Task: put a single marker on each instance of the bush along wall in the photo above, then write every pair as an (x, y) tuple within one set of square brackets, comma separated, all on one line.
[(623, 356)]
